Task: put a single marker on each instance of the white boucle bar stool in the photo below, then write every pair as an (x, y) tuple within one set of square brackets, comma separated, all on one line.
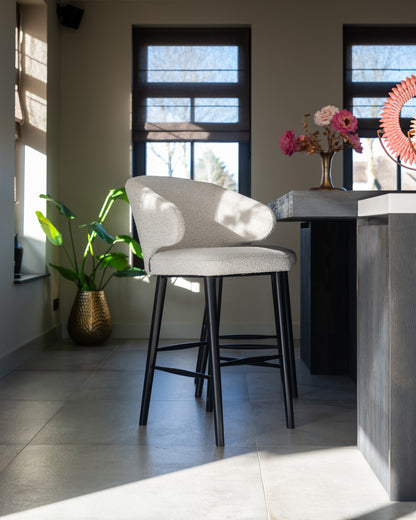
[(197, 229)]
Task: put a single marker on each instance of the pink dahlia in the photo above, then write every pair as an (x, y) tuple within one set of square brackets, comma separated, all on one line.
[(324, 116), (288, 142), (355, 142), (344, 122)]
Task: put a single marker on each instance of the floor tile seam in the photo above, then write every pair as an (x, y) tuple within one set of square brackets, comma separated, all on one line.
[(159, 400), (305, 446), (31, 440), (13, 459), (56, 369), (253, 422), (47, 422), (48, 370), (263, 486), (246, 447), (116, 370), (34, 400), (330, 401), (250, 405), (91, 375), (105, 359)]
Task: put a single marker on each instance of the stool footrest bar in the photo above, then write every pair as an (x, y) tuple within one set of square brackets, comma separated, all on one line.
[(182, 372)]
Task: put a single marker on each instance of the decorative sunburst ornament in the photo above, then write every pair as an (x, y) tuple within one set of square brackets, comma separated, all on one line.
[(400, 145)]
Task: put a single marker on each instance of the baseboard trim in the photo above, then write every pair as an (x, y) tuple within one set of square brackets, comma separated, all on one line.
[(26, 352)]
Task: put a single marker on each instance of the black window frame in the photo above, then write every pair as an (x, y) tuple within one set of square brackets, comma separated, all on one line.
[(370, 35), (219, 132)]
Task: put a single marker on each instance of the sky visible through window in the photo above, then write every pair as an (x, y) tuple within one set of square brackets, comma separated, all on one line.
[(212, 162), (192, 64), (380, 63)]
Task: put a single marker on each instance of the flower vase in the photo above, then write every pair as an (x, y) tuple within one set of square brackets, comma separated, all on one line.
[(89, 321), (326, 177)]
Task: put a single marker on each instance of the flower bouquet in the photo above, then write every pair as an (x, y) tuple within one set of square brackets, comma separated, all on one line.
[(338, 129)]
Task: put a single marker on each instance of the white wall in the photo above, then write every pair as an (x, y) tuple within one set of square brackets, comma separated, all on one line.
[(296, 68)]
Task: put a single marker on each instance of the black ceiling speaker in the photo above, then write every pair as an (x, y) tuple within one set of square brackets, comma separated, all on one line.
[(69, 15)]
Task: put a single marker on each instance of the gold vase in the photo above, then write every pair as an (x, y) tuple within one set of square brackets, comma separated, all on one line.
[(326, 177), (89, 321)]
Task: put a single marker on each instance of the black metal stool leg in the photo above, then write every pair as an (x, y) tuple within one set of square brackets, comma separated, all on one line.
[(209, 405), (201, 364), (291, 347), (280, 317), (202, 337), (153, 344), (212, 311)]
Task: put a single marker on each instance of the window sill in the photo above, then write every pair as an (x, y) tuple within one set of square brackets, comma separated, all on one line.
[(25, 278)]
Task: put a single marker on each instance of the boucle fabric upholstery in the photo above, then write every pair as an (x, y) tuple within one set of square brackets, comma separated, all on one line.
[(221, 261), (193, 228)]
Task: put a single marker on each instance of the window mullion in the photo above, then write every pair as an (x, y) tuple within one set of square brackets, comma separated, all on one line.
[(192, 110), (192, 159)]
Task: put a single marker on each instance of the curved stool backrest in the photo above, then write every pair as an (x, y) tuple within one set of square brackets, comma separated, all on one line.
[(172, 213)]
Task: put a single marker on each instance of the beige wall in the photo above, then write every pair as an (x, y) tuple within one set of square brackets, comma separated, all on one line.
[(296, 68)]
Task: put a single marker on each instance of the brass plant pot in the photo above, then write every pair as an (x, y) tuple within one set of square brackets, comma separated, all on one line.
[(89, 321)]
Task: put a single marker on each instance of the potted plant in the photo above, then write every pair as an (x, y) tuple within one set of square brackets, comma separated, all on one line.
[(90, 320)]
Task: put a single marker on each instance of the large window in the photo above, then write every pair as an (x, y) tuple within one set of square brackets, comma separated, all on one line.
[(376, 58), (191, 104)]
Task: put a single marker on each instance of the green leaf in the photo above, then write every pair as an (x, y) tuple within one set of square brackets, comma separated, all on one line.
[(52, 234), (88, 284), (99, 230), (116, 260), (130, 272), (69, 274), (132, 243), (119, 193), (63, 210)]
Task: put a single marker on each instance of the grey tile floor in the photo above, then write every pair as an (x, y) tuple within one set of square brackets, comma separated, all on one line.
[(71, 447)]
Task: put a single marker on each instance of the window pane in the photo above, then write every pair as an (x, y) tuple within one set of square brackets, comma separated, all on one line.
[(383, 62), (372, 107), (216, 110), (168, 110), (168, 159), (373, 170), (217, 163), (194, 64), (368, 107), (409, 109), (408, 178)]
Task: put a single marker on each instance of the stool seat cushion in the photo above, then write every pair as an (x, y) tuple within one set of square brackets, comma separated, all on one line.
[(221, 261)]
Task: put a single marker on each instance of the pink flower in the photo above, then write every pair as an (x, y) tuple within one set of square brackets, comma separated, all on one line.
[(324, 116), (288, 143), (344, 122), (355, 142)]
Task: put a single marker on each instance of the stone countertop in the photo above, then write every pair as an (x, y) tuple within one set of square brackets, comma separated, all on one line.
[(321, 204)]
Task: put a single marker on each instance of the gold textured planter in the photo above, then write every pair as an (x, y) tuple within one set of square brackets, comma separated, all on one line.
[(89, 321)]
